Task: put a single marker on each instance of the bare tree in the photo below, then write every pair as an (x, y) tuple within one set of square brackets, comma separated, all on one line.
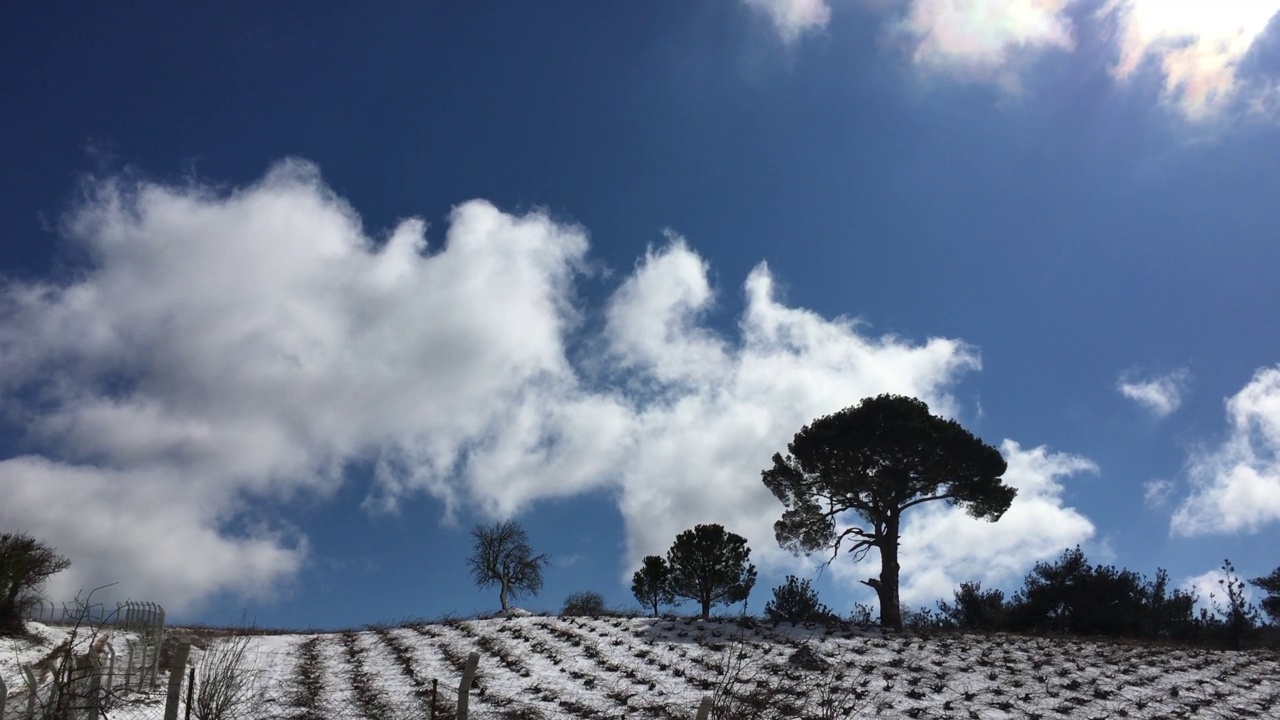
[(25, 563), (503, 556)]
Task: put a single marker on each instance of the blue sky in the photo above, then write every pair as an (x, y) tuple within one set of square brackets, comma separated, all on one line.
[(294, 294)]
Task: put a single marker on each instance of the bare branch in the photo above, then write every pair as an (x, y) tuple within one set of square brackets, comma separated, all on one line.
[(502, 556)]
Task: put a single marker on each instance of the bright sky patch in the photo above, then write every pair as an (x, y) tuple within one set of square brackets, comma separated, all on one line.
[(1197, 47)]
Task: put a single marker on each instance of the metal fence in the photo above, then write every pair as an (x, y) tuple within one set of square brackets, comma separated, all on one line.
[(137, 666), (127, 615), (85, 686), (86, 676)]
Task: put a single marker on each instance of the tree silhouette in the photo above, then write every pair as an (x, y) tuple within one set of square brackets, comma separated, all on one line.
[(1270, 584), (502, 556), (25, 563), (796, 601), (586, 602), (974, 608), (870, 463), (1239, 616), (709, 566), (1072, 596), (651, 584)]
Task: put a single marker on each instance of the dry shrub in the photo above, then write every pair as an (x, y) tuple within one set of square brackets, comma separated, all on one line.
[(227, 680)]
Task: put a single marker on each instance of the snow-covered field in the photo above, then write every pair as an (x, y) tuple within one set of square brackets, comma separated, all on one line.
[(41, 654), (534, 667)]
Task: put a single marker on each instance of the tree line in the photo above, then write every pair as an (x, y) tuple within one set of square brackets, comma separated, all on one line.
[(710, 566), (1073, 597), (845, 483)]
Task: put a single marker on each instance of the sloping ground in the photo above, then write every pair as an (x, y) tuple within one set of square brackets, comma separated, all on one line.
[(636, 668), (43, 653)]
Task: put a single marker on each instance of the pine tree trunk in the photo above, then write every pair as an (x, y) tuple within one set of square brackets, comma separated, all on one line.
[(887, 588)]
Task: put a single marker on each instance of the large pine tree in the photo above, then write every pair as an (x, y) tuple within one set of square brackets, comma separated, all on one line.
[(863, 467)]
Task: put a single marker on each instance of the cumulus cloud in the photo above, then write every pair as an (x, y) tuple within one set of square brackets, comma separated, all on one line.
[(227, 352), (652, 320), (114, 518), (1205, 584), (1160, 395), (984, 40), (1196, 46), (794, 18), (1210, 589), (1236, 486), (232, 348), (729, 405)]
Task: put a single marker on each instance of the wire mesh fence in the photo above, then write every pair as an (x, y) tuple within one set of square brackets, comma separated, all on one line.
[(79, 691)]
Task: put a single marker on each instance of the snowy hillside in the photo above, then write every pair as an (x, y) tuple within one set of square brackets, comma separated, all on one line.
[(534, 667)]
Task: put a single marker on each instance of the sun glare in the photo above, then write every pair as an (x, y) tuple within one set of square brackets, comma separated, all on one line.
[(1225, 26), (1198, 44)]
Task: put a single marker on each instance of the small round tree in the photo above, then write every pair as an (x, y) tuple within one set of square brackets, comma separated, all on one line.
[(651, 584), (796, 601), (975, 608), (709, 566), (584, 603), (502, 556)]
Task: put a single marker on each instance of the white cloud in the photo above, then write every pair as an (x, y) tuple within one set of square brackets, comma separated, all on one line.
[(1203, 585), (794, 18), (653, 319), (1210, 588), (142, 529), (1160, 395), (227, 352), (943, 546), (1236, 486), (985, 40), (1197, 47), (1157, 493), (702, 444), (229, 349)]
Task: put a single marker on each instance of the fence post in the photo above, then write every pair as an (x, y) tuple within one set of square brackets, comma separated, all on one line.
[(4, 697), (95, 685), (704, 710), (128, 665), (35, 690), (464, 688), (149, 642), (435, 688), (177, 668), (111, 668), (191, 691), (156, 633)]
